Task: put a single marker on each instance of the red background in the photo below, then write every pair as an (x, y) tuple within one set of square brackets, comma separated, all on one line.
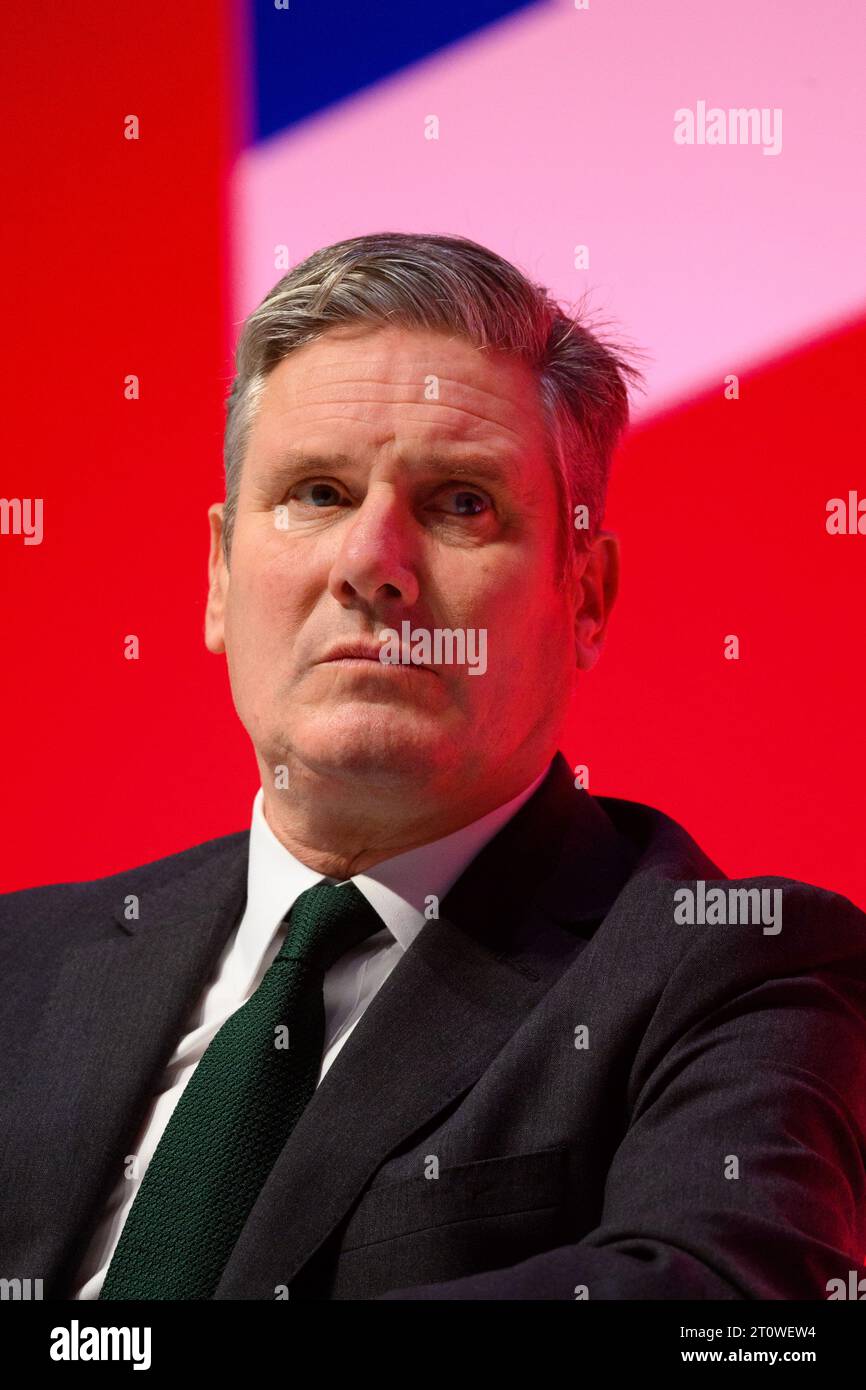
[(116, 261)]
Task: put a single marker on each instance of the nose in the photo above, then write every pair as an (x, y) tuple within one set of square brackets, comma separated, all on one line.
[(377, 559)]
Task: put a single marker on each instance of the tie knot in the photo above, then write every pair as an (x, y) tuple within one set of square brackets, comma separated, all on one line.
[(325, 921)]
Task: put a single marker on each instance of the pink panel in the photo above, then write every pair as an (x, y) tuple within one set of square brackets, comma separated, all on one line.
[(556, 129)]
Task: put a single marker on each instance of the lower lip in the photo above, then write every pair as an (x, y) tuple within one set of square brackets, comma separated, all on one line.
[(367, 663)]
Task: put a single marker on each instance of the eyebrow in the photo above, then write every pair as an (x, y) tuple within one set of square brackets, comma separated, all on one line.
[(492, 469)]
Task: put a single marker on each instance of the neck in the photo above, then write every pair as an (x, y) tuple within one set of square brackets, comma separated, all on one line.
[(341, 826)]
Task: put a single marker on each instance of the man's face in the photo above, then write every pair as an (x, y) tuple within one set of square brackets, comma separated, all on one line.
[(395, 475)]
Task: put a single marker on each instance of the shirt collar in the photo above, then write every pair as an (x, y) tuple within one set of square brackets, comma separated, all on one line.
[(397, 888)]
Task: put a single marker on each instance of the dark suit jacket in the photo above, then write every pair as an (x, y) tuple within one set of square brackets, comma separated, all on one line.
[(706, 1143)]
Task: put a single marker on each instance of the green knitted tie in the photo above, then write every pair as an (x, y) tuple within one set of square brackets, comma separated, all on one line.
[(237, 1110)]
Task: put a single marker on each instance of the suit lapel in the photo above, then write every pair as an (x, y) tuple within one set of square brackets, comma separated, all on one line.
[(112, 1022), (507, 929), (461, 990)]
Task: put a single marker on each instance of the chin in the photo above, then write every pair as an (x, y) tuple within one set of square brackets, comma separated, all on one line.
[(381, 745)]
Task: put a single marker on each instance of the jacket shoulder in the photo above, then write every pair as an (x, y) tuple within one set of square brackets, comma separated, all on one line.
[(58, 902), (678, 895), (665, 848)]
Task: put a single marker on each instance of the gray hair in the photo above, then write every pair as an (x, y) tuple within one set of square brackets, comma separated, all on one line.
[(444, 282)]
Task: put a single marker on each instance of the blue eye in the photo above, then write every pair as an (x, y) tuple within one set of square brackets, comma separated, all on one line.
[(323, 495), (318, 489)]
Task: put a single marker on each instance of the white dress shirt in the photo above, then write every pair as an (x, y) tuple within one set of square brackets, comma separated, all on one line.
[(396, 888)]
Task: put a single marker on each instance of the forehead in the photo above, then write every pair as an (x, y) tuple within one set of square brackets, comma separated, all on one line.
[(359, 381)]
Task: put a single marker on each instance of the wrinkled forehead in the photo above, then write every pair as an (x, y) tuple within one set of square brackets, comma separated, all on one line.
[(374, 385)]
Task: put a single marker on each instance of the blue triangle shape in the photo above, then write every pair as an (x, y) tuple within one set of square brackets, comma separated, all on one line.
[(318, 52)]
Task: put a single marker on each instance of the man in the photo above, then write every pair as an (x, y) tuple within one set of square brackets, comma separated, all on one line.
[(442, 1024)]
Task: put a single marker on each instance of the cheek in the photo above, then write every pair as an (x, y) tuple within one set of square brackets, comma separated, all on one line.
[(536, 641), (265, 619), (260, 594)]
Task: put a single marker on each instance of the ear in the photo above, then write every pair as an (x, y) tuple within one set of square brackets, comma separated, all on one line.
[(595, 597), (218, 582)]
